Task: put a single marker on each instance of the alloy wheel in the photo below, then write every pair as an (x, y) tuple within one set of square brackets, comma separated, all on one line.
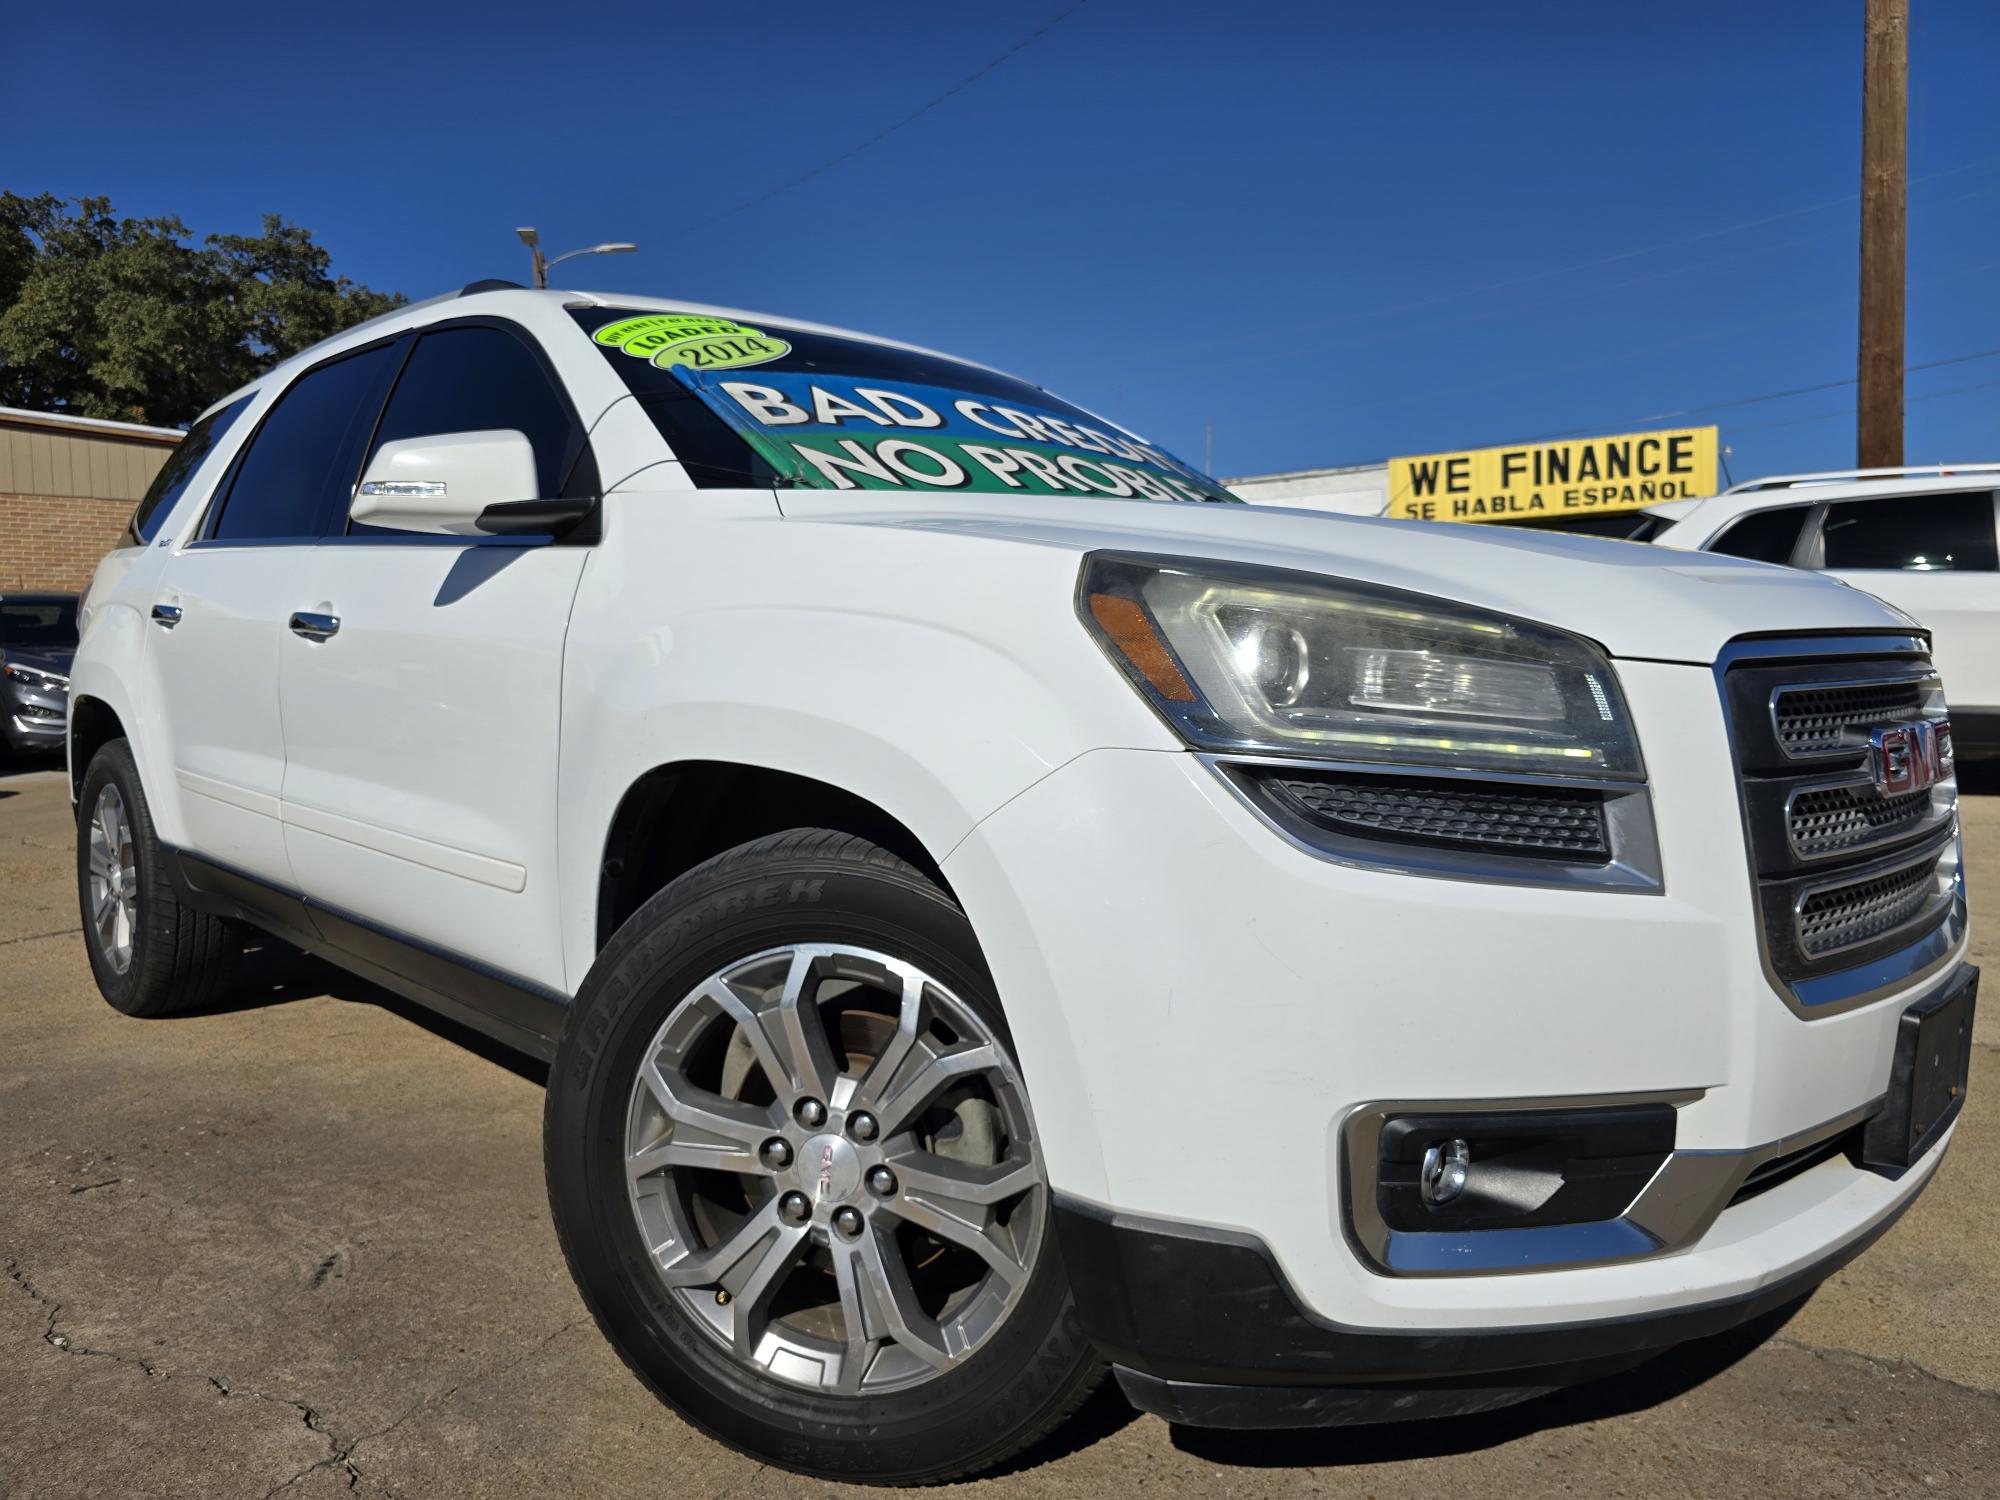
[(830, 1159), (114, 879)]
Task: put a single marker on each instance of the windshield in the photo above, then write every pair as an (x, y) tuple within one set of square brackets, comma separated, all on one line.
[(774, 405), (38, 624)]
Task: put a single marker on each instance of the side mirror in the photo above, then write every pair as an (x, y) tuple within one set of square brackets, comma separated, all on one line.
[(442, 484)]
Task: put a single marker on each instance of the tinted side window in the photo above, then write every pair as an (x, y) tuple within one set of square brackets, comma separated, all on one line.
[(299, 471), (1765, 535), (175, 474), (481, 380), (1917, 533)]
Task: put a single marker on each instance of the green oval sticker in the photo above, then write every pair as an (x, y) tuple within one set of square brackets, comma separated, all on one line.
[(695, 340)]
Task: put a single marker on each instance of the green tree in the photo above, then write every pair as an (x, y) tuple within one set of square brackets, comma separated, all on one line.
[(125, 318)]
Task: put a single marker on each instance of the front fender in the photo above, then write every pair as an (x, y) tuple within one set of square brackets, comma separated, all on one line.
[(935, 675)]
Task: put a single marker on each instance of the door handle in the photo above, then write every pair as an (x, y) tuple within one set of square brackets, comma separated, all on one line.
[(166, 616), (315, 627)]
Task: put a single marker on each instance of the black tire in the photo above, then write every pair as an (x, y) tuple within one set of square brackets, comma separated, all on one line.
[(805, 886), (180, 959)]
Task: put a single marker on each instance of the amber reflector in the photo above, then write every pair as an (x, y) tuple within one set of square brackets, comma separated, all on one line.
[(1132, 633)]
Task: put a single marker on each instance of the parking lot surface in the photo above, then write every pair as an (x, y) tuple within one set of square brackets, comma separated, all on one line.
[(299, 1246)]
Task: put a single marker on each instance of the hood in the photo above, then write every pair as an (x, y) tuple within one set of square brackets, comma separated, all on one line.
[(1633, 599), (40, 658)]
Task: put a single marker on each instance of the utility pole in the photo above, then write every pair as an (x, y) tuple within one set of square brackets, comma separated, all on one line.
[(1885, 92)]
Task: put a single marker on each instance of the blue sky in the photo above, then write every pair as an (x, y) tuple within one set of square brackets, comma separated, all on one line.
[(1335, 232)]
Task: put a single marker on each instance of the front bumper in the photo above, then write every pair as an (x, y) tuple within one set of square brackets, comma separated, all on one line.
[(26, 724), (1203, 1009), (1202, 1328)]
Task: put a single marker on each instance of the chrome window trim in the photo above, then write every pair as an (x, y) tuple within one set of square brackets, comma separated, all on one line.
[(520, 541), (1670, 1214), (1634, 866), (1901, 971), (246, 544), (386, 539)]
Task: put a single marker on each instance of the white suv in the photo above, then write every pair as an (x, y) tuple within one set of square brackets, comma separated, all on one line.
[(1923, 539), (991, 919)]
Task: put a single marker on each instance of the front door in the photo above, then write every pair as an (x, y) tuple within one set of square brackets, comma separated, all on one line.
[(421, 732)]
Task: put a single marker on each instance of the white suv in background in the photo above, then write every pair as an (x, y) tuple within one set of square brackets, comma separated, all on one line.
[(1923, 539), (990, 919)]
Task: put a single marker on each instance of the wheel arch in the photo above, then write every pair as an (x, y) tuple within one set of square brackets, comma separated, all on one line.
[(93, 724), (674, 816)]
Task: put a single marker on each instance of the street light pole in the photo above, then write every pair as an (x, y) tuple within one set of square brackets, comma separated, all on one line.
[(534, 243), (535, 249)]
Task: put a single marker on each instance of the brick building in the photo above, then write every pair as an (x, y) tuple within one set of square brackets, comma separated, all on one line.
[(67, 488)]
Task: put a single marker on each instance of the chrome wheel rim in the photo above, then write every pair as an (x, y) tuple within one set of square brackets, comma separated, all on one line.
[(830, 1160), (114, 880)]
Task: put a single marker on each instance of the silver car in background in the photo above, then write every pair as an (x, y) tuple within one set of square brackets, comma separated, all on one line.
[(37, 642)]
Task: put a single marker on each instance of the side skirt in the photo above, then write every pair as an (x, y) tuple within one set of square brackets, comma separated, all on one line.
[(518, 1012)]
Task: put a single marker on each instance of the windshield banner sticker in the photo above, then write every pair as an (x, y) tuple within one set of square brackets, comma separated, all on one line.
[(841, 433), (692, 341)]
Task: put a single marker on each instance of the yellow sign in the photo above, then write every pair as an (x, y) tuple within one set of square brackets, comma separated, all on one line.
[(1579, 477)]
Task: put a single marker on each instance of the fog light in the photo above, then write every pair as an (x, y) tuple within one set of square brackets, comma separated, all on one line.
[(1446, 1164), (1515, 1169)]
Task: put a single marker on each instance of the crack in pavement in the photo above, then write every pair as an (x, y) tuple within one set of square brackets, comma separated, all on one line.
[(343, 1453), (36, 937), (1883, 1363), (63, 1341), (339, 1452)]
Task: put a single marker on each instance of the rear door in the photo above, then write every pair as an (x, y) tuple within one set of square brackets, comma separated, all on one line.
[(222, 600), (1934, 556), (421, 736)]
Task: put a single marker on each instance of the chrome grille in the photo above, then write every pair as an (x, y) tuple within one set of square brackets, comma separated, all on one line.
[(1834, 918), (1829, 819), (1821, 720), (1852, 883)]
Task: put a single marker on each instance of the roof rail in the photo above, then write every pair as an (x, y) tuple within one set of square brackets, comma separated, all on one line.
[(490, 284), (1854, 476)]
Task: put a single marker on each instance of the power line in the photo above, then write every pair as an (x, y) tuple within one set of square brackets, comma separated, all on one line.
[(1515, 309), (1807, 390), (884, 133), (1650, 348), (1848, 411), (1528, 278)]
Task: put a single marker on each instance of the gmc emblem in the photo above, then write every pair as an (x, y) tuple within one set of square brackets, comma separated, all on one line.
[(1910, 757)]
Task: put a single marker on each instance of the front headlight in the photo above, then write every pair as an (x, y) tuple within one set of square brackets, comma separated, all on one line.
[(1244, 658), (28, 677)]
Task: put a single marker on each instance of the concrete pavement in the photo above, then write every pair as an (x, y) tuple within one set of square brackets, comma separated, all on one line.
[(299, 1246)]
